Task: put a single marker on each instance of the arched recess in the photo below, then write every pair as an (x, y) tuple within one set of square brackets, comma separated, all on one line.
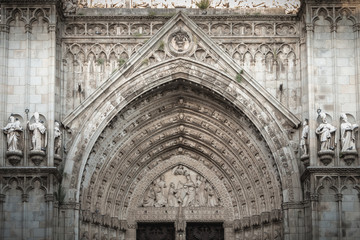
[(180, 107), (269, 121)]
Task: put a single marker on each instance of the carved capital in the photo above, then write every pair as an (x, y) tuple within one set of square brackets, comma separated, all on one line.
[(28, 28), (245, 222), (49, 198), (2, 198), (237, 225), (356, 27), (4, 28), (255, 220), (265, 217), (228, 224), (333, 27), (51, 28), (309, 28), (25, 197), (314, 197), (132, 226), (338, 197)]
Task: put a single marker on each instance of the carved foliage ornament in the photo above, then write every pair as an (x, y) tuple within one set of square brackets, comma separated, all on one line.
[(180, 187)]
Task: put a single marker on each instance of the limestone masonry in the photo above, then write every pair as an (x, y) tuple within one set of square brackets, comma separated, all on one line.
[(179, 120)]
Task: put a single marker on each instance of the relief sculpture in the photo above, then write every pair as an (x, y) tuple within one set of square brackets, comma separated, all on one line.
[(180, 187)]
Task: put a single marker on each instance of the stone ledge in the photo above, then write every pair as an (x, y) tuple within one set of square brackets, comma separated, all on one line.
[(329, 170), (30, 170)]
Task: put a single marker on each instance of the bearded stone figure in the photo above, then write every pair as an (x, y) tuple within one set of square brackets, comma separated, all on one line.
[(347, 131), (13, 130), (38, 138)]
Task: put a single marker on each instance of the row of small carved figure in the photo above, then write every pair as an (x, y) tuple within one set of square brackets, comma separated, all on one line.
[(290, 5), (266, 217), (37, 128), (104, 220), (326, 133)]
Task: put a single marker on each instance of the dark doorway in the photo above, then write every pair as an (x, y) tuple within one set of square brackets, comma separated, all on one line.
[(155, 231), (204, 231)]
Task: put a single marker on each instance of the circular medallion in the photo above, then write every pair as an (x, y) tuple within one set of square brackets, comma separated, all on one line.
[(179, 42)]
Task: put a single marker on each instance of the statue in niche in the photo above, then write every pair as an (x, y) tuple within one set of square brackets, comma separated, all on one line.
[(180, 186), (13, 130), (304, 137), (325, 131), (38, 130), (347, 134), (57, 140)]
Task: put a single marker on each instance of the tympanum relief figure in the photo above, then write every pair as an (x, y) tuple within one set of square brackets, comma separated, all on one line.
[(180, 187)]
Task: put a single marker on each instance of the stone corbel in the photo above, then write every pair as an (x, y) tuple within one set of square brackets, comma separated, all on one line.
[(28, 28), (333, 27), (51, 28), (25, 197)]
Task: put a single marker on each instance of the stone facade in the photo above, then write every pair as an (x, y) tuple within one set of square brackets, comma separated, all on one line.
[(118, 117)]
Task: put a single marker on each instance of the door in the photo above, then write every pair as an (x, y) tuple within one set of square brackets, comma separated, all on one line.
[(155, 231), (204, 231)]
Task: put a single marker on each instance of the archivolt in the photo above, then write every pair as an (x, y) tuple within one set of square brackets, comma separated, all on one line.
[(88, 124)]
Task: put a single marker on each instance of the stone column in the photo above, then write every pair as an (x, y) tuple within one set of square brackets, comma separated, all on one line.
[(338, 199), (2, 200), (131, 231), (229, 230), (314, 199)]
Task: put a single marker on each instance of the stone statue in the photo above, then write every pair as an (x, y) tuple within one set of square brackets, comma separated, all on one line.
[(347, 134), (38, 130), (57, 138), (159, 189), (12, 131), (172, 196), (141, 3), (212, 200), (304, 137), (189, 189), (325, 130), (70, 6), (200, 191), (149, 199)]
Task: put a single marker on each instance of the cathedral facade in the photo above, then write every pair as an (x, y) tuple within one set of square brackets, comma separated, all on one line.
[(179, 119)]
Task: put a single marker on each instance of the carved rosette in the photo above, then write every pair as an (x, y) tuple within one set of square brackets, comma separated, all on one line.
[(14, 157)]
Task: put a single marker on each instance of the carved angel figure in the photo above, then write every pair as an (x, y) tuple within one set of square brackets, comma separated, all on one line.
[(324, 130), (347, 134), (38, 130), (12, 131)]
